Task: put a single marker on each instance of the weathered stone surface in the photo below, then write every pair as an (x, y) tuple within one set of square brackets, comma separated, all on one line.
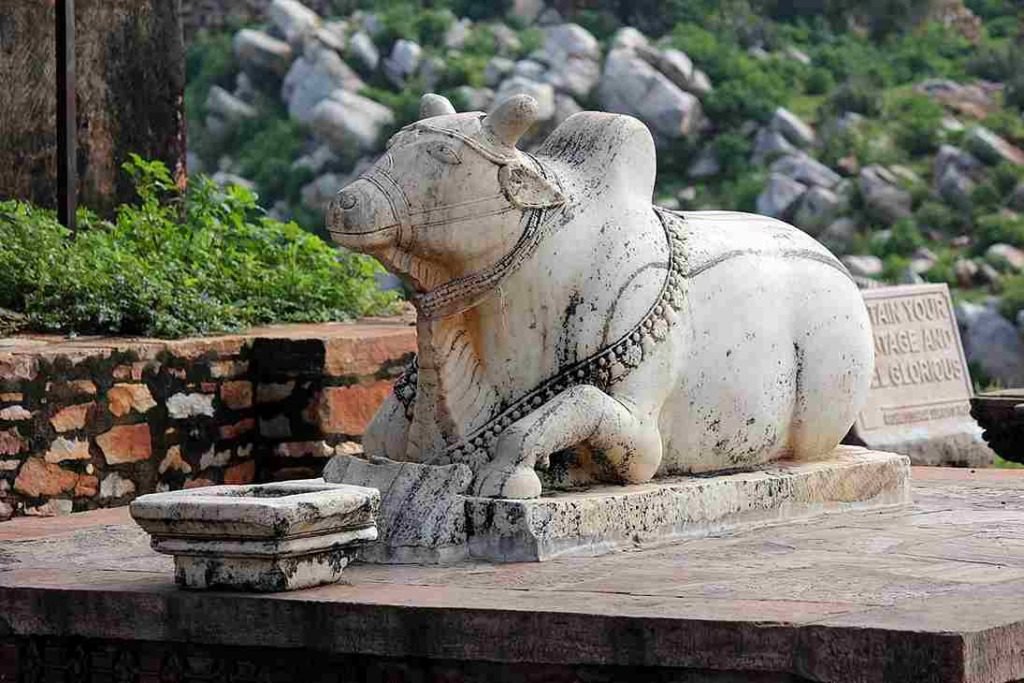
[(11, 442), (67, 449), (601, 520), (363, 50), (71, 418), (312, 78), (514, 373), (992, 343), (779, 196), (992, 148), (403, 61), (124, 398), (116, 486), (293, 20), (422, 514), (793, 128), (183, 406), (345, 120), (236, 395), (173, 462), (15, 414), (919, 403), (265, 537), (806, 169), (126, 443), (39, 478), (348, 410)]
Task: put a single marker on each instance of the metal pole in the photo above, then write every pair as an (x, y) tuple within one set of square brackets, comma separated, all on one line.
[(67, 130)]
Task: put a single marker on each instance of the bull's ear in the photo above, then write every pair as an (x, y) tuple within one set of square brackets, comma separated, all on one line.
[(512, 118), (528, 189), (435, 105)]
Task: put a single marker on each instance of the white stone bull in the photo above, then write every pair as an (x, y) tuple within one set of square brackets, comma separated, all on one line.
[(567, 324)]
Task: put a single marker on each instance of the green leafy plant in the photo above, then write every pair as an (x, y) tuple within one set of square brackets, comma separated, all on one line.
[(176, 264)]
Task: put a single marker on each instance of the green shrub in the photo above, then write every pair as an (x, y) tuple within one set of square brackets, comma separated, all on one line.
[(175, 265), (999, 227), (917, 122)]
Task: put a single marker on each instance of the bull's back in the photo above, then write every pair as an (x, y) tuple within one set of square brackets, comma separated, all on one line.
[(776, 351)]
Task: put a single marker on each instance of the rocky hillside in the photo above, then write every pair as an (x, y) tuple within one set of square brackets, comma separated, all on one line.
[(898, 145)]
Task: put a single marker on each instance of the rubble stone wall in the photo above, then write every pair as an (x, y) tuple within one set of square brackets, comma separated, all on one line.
[(95, 422)]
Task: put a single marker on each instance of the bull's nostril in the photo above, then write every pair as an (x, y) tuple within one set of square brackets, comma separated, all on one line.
[(346, 200)]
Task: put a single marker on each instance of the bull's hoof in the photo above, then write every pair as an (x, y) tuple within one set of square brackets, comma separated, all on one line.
[(518, 483)]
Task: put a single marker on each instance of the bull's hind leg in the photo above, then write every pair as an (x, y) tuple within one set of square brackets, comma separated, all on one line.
[(627, 448)]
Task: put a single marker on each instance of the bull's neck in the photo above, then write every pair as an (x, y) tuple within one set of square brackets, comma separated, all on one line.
[(553, 310)]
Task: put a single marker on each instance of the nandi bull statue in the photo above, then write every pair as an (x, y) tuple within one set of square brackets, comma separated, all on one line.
[(567, 324)]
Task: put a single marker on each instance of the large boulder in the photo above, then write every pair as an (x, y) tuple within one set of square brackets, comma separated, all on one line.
[(779, 196), (991, 342), (793, 127), (544, 93), (318, 194), (883, 197), (259, 53), (403, 62), (769, 145), (677, 67), (221, 103), (955, 187), (989, 147), (312, 78), (863, 265), (363, 51), (805, 169), (571, 57), (496, 70), (817, 209), (346, 121), (294, 21), (630, 85)]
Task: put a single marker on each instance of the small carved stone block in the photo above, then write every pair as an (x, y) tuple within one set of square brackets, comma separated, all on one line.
[(263, 537)]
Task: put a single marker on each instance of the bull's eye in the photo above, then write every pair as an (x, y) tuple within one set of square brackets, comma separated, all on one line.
[(444, 153)]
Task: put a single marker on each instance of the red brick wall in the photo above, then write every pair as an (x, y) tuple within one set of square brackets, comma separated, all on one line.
[(95, 422)]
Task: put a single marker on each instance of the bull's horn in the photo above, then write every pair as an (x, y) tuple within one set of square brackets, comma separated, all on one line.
[(512, 118), (435, 105)]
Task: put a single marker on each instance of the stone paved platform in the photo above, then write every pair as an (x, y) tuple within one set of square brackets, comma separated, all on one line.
[(930, 592)]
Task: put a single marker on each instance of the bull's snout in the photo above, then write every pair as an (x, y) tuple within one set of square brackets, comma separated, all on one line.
[(360, 215)]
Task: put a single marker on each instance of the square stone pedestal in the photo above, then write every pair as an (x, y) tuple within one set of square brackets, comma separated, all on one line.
[(265, 537), (603, 519)]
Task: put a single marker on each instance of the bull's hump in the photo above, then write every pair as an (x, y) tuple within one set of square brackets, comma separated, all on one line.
[(713, 237)]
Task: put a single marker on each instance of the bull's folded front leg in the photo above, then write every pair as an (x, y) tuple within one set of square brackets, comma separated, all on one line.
[(626, 446)]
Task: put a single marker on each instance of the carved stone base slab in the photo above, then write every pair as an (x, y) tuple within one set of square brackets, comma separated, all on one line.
[(604, 519), (264, 537)]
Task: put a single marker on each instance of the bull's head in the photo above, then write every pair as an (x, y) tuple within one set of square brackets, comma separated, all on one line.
[(450, 192)]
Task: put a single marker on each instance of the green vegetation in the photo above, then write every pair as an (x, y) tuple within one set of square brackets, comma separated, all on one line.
[(176, 264)]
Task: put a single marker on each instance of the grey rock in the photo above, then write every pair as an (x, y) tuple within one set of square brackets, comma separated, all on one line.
[(909, 276), (951, 124), (966, 272), (570, 40), (565, 106), (863, 265), (779, 196), (793, 127), (244, 88), (571, 55), (706, 165), (321, 158), (817, 209), (805, 169), (677, 66), (475, 99), (922, 260), (956, 187), (992, 148), (544, 93), (293, 20), (225, 179), (987, 275), (363, 51), (403, 62), (333, 35), (529, 69), (345, 120), (769, 145), (1005, 256), (230, 108), (629, 38), (496, 70), (1016, 199), (259, 53), (317, 194), (629, 85), (527, 11), (797, 55), (949, 155), (312, 78), (456, 35), (883, 198), (431, 71), (505, 39), (422, 512), (839, 235), (550, 17), (991, 343)]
